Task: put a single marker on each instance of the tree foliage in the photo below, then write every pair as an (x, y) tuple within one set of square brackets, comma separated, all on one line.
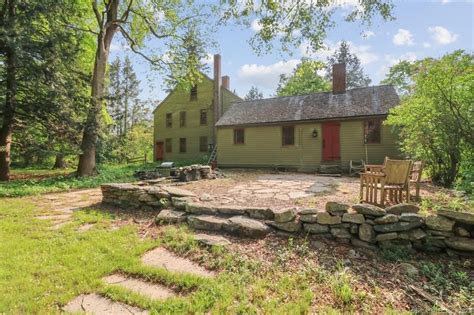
[(436, 120), (303, 80), (355, 76), (253, 94)]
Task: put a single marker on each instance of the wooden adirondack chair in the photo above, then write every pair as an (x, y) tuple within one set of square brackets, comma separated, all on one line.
[(389, 180), (415, 177)]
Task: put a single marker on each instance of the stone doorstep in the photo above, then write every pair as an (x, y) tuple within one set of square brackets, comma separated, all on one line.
[(162, 258), (96, 304), (150, 290)]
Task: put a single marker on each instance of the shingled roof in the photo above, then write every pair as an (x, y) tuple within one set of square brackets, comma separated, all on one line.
[(360, 102)]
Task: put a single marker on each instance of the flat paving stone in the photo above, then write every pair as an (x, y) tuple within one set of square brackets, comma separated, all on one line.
[(96, 304), (211, 240), (162, 258), (151, 290)]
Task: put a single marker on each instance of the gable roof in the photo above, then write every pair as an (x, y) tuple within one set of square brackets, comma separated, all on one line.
[(205, 76), (368, 101)]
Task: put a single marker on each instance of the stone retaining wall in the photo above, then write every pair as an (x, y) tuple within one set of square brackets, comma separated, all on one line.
[(361, 225)]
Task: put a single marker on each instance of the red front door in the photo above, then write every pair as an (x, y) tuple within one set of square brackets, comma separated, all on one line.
[(331, 144), (159, 151)]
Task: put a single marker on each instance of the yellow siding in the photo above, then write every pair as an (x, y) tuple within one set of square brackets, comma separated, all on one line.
[(263, 146), (179, 100)]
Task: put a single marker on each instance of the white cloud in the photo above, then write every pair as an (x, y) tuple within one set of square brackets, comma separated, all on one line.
[(266, 76), (426, 45), (255, 25), (363, 52), (442, 36), (403, 37), (367, 34)]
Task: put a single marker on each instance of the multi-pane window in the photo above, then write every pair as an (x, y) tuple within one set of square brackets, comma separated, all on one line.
[(182, 145), (194, 93), (168, 145), (182, 119), (203, 144), (288, 135), (239, 136), (203, 117), (169, 120), (372, 130)]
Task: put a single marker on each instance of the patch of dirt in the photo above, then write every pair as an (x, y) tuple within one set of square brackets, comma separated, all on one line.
[(162, 258), (153, 291)]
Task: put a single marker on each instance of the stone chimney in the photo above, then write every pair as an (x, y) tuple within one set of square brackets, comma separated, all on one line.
[(339, 78), (226, 82)]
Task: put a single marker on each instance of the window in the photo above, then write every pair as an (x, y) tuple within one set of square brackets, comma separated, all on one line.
[(168, 145), (182, 119), (372, 131), (203, 117), (169, 120), (182, 145), (203, 144), (288, 135), (239, 136), (194, 93)]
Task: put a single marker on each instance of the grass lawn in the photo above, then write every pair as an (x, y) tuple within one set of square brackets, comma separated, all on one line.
[(34, 181), (42, 269)]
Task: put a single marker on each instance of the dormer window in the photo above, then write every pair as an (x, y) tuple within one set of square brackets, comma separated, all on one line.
[(194, 93)]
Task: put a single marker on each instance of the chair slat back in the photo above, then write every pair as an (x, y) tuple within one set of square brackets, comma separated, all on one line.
[(397, 171), (416, 171)]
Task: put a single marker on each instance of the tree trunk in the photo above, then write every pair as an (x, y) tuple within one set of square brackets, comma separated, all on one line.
[(87, 163), (59, 162), (10, 99)]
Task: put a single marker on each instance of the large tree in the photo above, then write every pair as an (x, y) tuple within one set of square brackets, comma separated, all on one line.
[(168, 23), (400, 76), (355, 76), (253, 94), (303, 80), (436, 121)]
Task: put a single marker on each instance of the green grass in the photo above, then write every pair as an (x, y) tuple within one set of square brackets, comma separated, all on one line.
[(64, 182)]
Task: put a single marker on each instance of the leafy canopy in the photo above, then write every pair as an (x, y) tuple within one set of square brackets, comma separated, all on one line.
[(303, 80)]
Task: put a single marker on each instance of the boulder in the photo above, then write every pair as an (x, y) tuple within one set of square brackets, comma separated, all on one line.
[(400, 208), (368, 209), (386, 236), (207, 222), (178, 192), (260, 213), (353, 218), (284, 215), (388, 218), (458, 216), (308, 218), (340, 232), (170, 216), (336, 208), (199, 208), (358, 243), (366, 233), (408, 269), (460, 231), (247, 227), (439, 223), (411, 217), (291, 227), (460, 243), (307, 211), (326, 218), (231, 210), (211, 240), (396, 227), (316, 228)]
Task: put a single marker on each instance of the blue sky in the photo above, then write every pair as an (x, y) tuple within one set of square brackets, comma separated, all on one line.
[(428, 28)]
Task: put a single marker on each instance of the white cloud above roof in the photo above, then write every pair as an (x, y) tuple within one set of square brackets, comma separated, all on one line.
[(403, 38), (266, 76), (442, 35)]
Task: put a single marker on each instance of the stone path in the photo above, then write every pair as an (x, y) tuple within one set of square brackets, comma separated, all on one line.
[(153, 291), (59, 207), (96, 304), (162, 258)]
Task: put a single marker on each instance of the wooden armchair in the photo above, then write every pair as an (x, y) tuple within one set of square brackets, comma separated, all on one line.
[(415, 177), (390, 180)]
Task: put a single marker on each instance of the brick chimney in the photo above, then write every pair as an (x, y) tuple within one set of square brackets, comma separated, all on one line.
[(216, 102), (339, 78), (226, 82)]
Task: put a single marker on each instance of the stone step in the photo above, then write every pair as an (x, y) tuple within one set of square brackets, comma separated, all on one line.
[(150, 290), (96, 304), (162, 258)]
